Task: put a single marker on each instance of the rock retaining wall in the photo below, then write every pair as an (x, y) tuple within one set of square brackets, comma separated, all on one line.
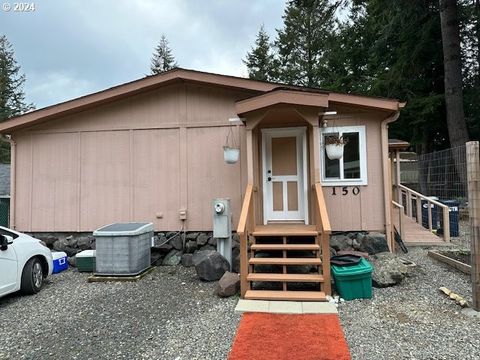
[(181, 246)]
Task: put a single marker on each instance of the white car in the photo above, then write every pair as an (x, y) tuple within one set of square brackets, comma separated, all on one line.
[(25, 262)]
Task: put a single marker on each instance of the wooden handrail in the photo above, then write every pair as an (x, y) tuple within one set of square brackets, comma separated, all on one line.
[(324, 229), (246, 224), (445, 210), (322, 209), (242, 223), (421, 196)]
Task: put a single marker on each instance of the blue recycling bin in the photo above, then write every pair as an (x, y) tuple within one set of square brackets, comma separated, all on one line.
[(434, 207), (453, 212)]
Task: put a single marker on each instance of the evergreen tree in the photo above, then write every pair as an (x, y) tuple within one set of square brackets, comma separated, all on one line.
[(12, 97), (162, 59), (260, 60), (457, 128), (309, 28)]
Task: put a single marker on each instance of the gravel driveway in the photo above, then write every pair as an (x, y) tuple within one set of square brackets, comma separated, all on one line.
[(414, 320), (169, 314)]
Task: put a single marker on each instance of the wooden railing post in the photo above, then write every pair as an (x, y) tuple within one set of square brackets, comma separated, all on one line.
[(323, 227), (419, 210), (327, 282), (245, 227), (473, 181)]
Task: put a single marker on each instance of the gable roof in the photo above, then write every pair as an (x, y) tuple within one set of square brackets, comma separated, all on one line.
[(180, 75)]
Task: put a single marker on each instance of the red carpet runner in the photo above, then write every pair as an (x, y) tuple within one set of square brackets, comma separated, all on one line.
[(294, 337)]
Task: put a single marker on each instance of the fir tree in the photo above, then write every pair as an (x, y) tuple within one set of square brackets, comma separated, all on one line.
[(163, 58), (259, 60), (12, 97), (309, 26)]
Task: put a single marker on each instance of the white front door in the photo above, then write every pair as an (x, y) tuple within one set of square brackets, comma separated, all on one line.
[(284, 174)]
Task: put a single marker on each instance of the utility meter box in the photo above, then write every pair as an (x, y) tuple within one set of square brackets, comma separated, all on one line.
[(222, 218)]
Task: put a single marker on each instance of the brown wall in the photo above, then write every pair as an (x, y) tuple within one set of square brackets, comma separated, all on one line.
[(147, 157), (142, 159)]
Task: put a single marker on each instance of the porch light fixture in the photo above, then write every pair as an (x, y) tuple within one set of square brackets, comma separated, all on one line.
[(325, 121)]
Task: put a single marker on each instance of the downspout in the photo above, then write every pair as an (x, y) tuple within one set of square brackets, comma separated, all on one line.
[(13, 157), (386, 182)]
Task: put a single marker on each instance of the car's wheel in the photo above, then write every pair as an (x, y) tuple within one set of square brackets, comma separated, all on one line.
[(32, 276)]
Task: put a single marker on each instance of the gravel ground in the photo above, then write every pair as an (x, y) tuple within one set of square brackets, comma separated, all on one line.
[(171, 315), (414, 320), (167, 315)]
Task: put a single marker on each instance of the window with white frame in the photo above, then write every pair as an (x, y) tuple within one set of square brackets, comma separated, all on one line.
[(351, 169)]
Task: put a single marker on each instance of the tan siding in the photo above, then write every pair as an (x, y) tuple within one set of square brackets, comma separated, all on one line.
[(105, 178), (209, 177), (155, 177), (147, 157)]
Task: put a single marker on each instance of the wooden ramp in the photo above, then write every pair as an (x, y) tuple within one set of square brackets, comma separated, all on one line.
[(415, 234)]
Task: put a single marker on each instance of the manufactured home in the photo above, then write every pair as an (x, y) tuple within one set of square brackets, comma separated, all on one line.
[(153, 150)]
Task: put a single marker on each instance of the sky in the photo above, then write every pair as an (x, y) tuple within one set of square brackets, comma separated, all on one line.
[(69, 48)]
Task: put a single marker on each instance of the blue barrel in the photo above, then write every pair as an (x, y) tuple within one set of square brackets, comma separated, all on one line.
[(434, 207), (453, 212)]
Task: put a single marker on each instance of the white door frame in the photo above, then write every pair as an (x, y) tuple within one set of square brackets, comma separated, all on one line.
[(301, 134)]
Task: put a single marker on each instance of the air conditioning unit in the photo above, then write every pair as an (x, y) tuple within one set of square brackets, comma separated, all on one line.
[(123, 248)]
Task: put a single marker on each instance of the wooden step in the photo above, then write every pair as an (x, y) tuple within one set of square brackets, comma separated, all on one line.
[(285, 230), (285, 295), (285, 277), (288, 247), (285, 261)]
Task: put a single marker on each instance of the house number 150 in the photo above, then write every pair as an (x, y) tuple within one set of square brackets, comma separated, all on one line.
[(345, 191)]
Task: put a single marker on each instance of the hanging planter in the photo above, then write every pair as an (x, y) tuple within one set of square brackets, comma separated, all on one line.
[(231, 151), (334, 145), (230, 154)]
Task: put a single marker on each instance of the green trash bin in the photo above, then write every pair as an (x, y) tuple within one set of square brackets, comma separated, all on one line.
[(354, 281)]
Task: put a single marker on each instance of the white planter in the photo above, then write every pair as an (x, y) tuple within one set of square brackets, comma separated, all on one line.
[(334, 151), (231, 155)]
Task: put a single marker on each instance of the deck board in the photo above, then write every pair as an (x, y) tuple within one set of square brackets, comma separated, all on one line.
[(416, 234), (285, 230)]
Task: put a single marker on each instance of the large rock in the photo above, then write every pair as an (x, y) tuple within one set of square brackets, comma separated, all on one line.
[(212, 241), (192, 236), (341, 242), (202, 239), (49, 240), (207, 247), (373, 243), (72, 261), (60, 245), (210, 265), (187, 260), (236, 264), (177, 242), (70, 251), (160, 239), (388, 270), (85, 242), (228, 285), (173, 258), (190, 246)]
